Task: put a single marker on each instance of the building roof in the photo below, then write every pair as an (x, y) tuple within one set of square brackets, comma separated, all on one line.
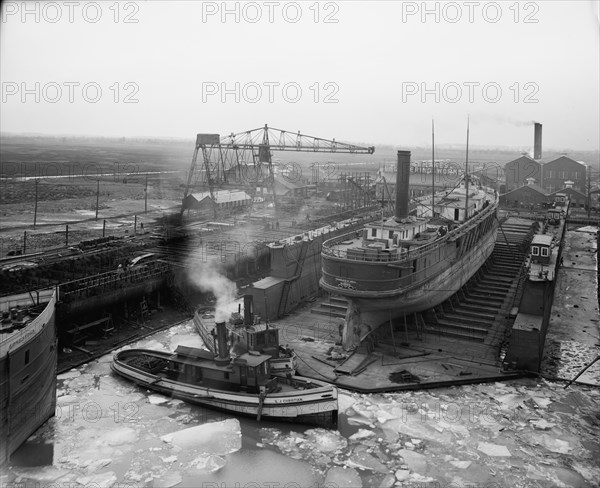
[(567, 190), (267, 282), (290, 185), (542, 239), (523, 158), (562, 160), (533, 187), (223, 196)]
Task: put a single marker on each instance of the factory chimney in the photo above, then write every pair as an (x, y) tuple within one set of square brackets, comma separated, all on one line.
[(248, 311), (537, 141), (223, 352), (402, 184)]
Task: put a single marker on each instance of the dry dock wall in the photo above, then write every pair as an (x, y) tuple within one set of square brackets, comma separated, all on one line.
[(299, 263)]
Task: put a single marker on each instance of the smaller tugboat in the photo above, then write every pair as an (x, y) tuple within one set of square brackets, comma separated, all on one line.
[(241, 385), (248, 335)]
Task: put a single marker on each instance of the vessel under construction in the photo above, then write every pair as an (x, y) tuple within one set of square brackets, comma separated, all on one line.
[(407, 264), (28, 358)]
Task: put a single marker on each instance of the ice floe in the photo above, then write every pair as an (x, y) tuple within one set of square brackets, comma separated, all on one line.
[(214, 438), (493, 449), (340, 477)]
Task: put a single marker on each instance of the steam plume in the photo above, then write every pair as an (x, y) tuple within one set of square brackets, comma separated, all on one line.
[(208, 278)]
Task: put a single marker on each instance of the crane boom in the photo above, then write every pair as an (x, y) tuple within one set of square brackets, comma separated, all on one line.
[(247, 152), (281, 140)]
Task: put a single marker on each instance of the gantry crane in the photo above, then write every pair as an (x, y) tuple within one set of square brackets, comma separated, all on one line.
[(244, 159)]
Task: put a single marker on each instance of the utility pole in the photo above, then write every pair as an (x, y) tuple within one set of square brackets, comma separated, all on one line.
[(432, 171), (146, 195), (97, 196), (589, 190), (36, 203), (467, 175)]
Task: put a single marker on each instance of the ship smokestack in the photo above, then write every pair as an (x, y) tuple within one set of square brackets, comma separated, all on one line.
[(223, 357), (402, 183), (537, 141), (248, 310)]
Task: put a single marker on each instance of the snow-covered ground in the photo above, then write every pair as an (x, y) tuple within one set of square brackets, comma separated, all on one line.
[(108, 432)]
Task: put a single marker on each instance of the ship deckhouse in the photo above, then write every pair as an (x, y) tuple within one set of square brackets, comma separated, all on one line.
[(451, 205), (541, 247), (390, 233), (543, 254)]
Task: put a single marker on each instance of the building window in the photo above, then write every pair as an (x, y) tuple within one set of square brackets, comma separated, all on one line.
[(391, 234), (545, 252), (535, 251), (373, 232)]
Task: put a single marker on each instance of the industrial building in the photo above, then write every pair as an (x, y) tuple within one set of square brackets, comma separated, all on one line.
[(223, 199), (530, 182), (518, 170), (577, 199), (563, 169), (529, 196)]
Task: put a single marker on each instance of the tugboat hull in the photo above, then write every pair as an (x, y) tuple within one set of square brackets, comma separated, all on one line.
[(300, 400)]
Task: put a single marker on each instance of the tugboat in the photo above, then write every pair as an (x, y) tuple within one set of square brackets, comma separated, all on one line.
[(241, 385), (248, 334), (408, 263)]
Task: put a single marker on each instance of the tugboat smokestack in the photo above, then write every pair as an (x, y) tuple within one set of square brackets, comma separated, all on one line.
[(223, 358), (402, 185)]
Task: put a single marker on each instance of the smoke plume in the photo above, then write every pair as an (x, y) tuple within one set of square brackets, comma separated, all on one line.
[(208, 278)]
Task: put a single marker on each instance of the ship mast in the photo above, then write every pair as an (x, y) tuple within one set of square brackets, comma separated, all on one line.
[(467, 175), (432, 171)]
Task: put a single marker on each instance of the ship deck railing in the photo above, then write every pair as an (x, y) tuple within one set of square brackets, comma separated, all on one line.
[(113, 279), (404, 255)]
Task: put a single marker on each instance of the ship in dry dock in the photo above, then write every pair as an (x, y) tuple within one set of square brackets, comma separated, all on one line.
[(409, 263), (28, 359)]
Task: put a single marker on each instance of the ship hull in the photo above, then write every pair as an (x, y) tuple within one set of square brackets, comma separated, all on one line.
[(432, 291), (28, 362), (315, 406), (378, 292)]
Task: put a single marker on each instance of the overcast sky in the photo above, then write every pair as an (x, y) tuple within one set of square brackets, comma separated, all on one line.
[(354, 71)]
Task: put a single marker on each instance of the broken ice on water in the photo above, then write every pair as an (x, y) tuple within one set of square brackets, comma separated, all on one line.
[(108, 430)]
